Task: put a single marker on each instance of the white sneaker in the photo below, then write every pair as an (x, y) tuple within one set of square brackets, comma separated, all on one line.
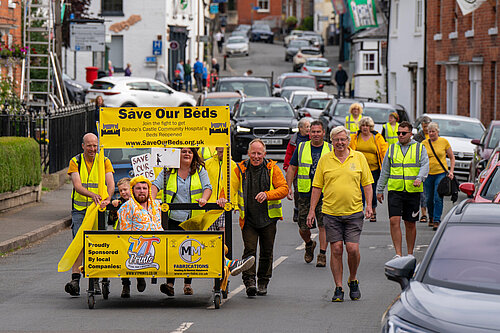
[(238, 266), (396, 256), (411, 256)]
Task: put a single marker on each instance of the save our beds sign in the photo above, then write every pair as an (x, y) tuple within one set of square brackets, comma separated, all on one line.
[(143, 127)]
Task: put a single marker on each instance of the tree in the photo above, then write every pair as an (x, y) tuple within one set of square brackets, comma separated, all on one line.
[(80, 10)]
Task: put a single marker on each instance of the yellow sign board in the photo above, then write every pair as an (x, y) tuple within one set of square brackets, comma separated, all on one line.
[(143, 127), (153, 254)]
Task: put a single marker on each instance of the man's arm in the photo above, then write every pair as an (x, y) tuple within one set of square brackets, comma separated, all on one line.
[(110, 184), (77, 184), (424, 165), (315, 195), (368, 199), (384, 173), (290, 175)]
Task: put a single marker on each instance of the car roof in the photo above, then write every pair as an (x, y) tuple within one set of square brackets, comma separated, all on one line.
[(243, 78), (379, 105), (310, 92), (479, 212), (451, 117), (116, 79), (309, 48), (317, 58), (297, 88), (222, 94), (263, 99), (286, 75)]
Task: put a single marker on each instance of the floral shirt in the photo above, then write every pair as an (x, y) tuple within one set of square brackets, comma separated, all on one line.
[(133, 217)]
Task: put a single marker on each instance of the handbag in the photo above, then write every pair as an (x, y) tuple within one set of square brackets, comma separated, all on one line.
[(446, 185)]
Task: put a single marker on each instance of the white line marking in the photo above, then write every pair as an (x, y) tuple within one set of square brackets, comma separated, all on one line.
[(303, 245), (183, 328), (279, 261)]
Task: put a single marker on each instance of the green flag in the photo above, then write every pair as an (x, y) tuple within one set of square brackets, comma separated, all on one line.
[(363, 14)]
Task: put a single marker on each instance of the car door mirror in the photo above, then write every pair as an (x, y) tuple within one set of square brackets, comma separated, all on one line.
[(400, 270), (476, 142), (467, 188)]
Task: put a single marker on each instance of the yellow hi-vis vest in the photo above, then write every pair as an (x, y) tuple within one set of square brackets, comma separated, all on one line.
[(206, 152), (391, 135), (89, 182), (195, 190), (351, 124), (305, 162), (273, 206), (404, 168)]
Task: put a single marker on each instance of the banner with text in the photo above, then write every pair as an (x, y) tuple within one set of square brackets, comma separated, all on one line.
[(363, 14), (142, 127), (148, 254)]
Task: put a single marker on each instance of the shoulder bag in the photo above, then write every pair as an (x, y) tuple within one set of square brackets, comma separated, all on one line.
[(445, 186)]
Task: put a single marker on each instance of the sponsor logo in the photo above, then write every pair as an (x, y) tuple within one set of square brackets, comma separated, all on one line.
[(110, 129), (190, 251), (218, 128), (142, 253), (414, 214)]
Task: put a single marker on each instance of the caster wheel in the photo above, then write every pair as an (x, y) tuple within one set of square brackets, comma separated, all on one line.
[(105, 290), (91, 301), (217, 301)]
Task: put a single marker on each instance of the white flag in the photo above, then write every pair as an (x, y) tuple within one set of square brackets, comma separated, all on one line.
[(468, 6)]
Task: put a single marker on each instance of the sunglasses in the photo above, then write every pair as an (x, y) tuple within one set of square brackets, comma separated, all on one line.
[(402, 133)]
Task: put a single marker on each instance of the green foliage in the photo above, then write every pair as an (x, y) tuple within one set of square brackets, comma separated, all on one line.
[(8, 97), (20, 163), (291, 21), (307, 24)]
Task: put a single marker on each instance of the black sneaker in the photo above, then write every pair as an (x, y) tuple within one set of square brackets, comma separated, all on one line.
[(141, 284), (262, 291), (251, 290), (126, 291), (354, 292), (338, 295), (73, 287), (238, 266)]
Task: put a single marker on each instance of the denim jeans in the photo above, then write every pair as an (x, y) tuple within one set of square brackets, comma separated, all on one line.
[(434, 202), (188, 82), (376, 176)]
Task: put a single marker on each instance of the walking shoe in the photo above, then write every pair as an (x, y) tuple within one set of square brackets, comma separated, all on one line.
[(354, 292), (321, 260), (262, 291), (73, 287), (141, 284), (126, 291), (166, 289), (338, 295), (238, 266), (251, 290), (97, 287), (188, 290), (396, 256), (309, 255)]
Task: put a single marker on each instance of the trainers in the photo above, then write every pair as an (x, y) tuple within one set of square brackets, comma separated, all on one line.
[(141, 284), (166, 289), (262, 291), (309, 255), (73, 287), (338, 295), (238, 266), (251, 290), (354, 292), (126, 291), (396, 256), (321, 260)]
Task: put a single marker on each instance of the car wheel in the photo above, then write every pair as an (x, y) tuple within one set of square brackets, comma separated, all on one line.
[(185, 104), (129, 105), (246, 54)]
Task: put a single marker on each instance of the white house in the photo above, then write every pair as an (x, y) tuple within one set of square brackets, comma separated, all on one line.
[(405, 60), (133, 26)]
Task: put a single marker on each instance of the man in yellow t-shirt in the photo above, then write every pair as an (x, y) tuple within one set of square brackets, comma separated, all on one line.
[(340, 174), (83, 172)]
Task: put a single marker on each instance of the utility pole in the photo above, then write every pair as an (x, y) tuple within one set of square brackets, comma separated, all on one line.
[(58, 30)]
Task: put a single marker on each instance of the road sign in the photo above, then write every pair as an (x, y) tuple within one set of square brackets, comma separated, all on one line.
[(255, 7), (87, 37), (157, 46), (214, 8), (219, 1), (174, 45)]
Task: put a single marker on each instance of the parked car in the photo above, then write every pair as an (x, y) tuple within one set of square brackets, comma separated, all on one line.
[(135, 91), (249, 85), (319, 68), (298, 96), (287, 91), (240, 33), (76, 90), (236, 45), (312, 106), (334, 114), (295, 79), (456, 287), (315, 38), (380, 112), (303, 54), (484, 147), (459, 131), (292, 36), (244, 27), (487, 183), (271, 119), (219, 99), (293, 48), (261, 32)]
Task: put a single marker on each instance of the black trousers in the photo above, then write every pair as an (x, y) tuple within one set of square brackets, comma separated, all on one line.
[(174, 225)]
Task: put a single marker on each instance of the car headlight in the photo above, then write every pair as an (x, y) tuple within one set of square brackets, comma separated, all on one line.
[(398, 325), (295, 130), (242, 129)]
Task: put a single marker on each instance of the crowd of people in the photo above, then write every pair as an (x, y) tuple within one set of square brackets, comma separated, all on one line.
[(204, 76)]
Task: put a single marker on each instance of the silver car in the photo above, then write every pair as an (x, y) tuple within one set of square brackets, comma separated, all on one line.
[(319, 68), (236, 45)]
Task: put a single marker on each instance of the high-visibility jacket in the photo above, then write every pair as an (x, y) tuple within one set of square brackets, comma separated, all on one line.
[(404, 168), (195, 190), (207, 152), (351, 124), (89, 182), (391, 135), (305, 162)]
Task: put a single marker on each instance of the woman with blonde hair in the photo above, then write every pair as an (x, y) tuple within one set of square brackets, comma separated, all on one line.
[(352, 119), (372, 144)]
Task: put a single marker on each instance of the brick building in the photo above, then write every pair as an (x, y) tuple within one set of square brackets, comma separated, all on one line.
[(269, 10), (10, 34), (462, 60)]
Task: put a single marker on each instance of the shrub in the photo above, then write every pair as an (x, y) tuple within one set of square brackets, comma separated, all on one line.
[(307, 24), (291, 21), (20, 163)]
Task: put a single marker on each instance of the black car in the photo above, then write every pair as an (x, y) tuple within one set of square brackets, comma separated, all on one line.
[(271, 119), (76, 90), (335, 112), (294, 47), (250, 86), (261, 32), (456, 287)]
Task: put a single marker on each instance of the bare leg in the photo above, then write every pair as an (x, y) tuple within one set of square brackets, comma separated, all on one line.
[(322, 238), (411, 236), (337, 249), (305, 235), (397, 239), (353, 258), (77, 264)]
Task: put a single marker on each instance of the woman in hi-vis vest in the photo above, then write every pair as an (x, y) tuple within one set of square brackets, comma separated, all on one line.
[(188, 184), (353, 118)]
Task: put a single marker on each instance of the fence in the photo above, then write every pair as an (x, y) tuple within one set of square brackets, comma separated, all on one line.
[(59, 132)]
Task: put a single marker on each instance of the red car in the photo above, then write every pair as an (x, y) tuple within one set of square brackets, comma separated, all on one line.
[(488, 182)]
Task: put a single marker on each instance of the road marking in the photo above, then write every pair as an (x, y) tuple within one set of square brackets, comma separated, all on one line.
[(183, 328), (303, 245)]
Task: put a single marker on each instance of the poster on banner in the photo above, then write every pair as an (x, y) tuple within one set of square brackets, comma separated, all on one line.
[(150, 254), (339, 7), (142, 166), (147, 127), (166, 157), (363, 14)]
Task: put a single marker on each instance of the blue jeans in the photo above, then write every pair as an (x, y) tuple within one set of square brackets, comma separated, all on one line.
[(434, 202), (76, 220), (188, 82), (341, 90), (376, 176)]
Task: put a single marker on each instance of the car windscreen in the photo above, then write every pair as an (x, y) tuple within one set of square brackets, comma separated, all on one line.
[(317, 103), (492, 186), (261, 109), (379, 115), (262, 27), (249, 88), (298, 43), (341, 109), (102, 85), (494, 137), (123, 155), (310, 52), (459, 129), (316, 63), (299, 82), (467, 257), (236, 40), (229, 101)]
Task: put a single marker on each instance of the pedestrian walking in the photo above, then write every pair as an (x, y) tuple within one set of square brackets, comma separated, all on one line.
[(420, 137), (187, 76), (261, 188), (177, 81), (99, 103), (219, 38), (340, 175), (111, 69), (404, 170), (303, 164), (83, 172), (160, 75), (352, 120), (215, 65), (248, 73), (341, 78), (390, 129), (204, 77), (128, 70), (198, 74), (180, 67), (437, 149)]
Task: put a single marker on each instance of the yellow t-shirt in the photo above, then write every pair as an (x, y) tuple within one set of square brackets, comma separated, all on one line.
[(369, 149), (74, 168), (341, 182), (440, 146)]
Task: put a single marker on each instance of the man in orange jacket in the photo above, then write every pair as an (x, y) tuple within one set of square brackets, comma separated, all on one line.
[(261, 188)]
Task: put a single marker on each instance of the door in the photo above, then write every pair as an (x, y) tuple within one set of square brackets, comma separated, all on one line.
[(162, 96), (116, 52)]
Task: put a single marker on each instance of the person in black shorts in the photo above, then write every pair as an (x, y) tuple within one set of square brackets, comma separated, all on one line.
[(404, 170)]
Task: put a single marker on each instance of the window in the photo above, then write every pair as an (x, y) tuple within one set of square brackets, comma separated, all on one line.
[(112, 7), (451, 88), (368, 62), (157, 87), (264, 5), (138, 86), (396, 18), (475, 91), (418, 15), (116, 52)]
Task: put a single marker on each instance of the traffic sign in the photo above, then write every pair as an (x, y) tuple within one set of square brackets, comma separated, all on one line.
[(157, 46), (255, 7), (214, 8), (174, 45), (87, 37)]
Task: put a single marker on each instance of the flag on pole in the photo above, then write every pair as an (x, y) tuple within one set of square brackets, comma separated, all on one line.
[(363, 14)]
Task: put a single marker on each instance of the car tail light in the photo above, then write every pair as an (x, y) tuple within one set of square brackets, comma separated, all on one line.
[(299, 55), (329, 70), (304, 68), (307, 114), (110, 93)]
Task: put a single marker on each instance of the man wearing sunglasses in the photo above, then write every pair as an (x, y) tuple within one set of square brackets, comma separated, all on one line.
[(404, 170)]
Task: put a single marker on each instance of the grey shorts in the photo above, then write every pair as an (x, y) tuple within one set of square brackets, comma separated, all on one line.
[(304, 203), (76, 220), (343, 228)]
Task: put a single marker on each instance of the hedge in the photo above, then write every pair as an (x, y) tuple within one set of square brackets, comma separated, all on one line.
[(20, 163)]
